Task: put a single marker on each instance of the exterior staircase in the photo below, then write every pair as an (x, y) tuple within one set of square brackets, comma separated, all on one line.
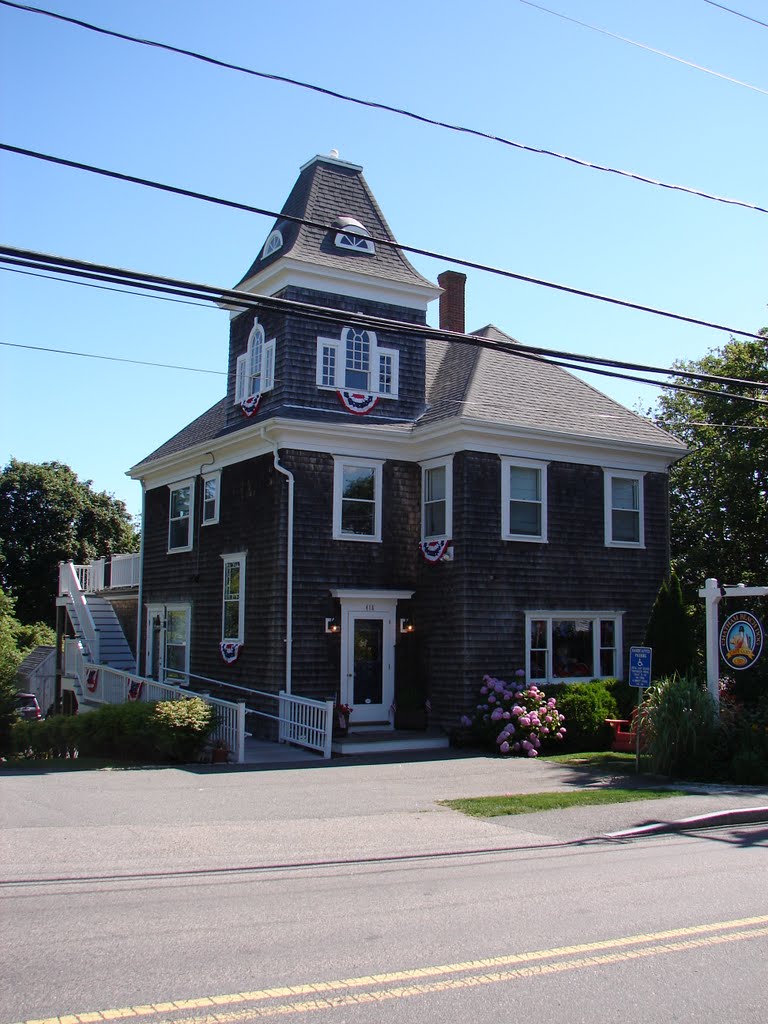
[(113, 647)]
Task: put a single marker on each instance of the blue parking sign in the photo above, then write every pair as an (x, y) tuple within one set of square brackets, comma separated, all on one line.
[(640, 666)]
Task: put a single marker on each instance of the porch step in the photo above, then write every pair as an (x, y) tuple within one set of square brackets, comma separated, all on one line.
[(384, 741)]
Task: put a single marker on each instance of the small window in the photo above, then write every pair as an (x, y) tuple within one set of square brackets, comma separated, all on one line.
[(624, 526), (211, 493), (523, 500), (354, 237), (255, 370), (273, 243), (357, 499), (355, 362), (233, 599), (573, 645), (180, 516), (436, 500)]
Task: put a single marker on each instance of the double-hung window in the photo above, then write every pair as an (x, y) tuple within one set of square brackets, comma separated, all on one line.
[(436, 499), (233, 599), (523, 500), (573, 645), (181, 516), (255, 372), (355, 362), (624, 526), (357, 499), (211, 498)]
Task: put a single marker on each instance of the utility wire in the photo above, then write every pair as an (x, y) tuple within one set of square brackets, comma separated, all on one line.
[(375, 105), (431, 254), (104, 287), (650, 49), (111, 359), (738, 14), (64, 265)]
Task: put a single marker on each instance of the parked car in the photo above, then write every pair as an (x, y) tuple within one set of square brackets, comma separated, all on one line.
[(27, 707)]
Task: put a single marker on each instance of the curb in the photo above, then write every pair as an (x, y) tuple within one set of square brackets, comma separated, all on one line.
[(715, 819)]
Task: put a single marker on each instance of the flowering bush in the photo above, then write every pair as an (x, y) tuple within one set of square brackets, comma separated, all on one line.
[(516, 719)]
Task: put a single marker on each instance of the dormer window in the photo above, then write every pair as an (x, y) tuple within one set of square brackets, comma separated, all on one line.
[(353, 235), (272, 244), (354, 362), (256, 366)]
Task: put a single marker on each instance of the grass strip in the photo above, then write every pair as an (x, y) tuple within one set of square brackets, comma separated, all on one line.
[(530, 803)]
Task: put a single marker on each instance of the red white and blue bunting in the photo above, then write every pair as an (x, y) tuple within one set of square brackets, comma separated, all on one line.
[(435, 550), (357, 402), (135, 686), (250, 404), (230, 651)]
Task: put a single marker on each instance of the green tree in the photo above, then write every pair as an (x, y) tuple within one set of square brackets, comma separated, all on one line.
[(670, 631), (47, 516), (719, 493), (16, 641)]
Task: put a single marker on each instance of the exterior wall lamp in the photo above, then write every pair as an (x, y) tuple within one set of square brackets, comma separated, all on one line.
[(332, 626), (407, 626)]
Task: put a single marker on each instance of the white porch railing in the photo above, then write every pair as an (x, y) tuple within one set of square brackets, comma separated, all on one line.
[(306, 722), (125, 571)]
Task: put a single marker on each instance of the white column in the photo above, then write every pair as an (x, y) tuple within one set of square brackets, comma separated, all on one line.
[(711, 594)]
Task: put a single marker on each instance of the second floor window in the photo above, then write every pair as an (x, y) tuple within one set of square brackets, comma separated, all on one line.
[(233, 601), (436, 500), (523, 500), (357, 499), (180, 517), (354, 362), (255, 372), (624, 525)]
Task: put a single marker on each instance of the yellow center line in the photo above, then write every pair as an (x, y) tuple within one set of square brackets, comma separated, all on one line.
[(671, 940)]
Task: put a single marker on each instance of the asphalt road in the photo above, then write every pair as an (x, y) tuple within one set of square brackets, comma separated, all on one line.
[(348, 893)]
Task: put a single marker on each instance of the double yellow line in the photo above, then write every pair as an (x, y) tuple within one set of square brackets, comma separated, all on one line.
[(377, 988)]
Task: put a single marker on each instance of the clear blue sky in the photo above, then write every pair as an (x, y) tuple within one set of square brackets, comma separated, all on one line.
[(496, 65)]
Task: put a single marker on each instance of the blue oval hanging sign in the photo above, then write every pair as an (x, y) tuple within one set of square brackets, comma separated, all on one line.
[(741, 640)]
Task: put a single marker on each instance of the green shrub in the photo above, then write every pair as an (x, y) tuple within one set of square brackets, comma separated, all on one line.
[(586, 707), (182, 728), (53, 737), (680, 727), (121, 731)]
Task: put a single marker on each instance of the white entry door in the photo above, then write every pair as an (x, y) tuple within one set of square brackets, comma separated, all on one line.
[(368, 660)]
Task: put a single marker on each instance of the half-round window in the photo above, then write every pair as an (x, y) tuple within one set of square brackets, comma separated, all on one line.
[(272, 244), (353, 235)]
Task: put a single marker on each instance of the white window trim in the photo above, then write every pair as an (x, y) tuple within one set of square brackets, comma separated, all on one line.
[(211, 520), (339, 463), (446, 462), (506, 533), (609, 475), (239, 557), (273, 243), (243, 377), (339, 347), (617, 617), (178, 486)]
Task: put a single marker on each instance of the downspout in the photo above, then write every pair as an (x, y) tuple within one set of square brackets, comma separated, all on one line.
[(140, 616), (289, 561)]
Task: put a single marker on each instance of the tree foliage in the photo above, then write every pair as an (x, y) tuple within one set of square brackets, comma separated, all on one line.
[(47, 516), (670, 631), (719, 493)]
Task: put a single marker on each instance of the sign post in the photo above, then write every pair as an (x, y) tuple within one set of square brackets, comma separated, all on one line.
[(640, 659)]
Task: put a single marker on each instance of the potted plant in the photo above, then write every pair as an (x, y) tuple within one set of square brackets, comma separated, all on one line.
[(219, 752), (341, 713)]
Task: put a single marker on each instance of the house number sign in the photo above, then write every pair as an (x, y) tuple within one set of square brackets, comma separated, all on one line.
[(370, 607)]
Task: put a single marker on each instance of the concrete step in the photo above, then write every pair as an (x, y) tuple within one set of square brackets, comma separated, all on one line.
[(384, 741)]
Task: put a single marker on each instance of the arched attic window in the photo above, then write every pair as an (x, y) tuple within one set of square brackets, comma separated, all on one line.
[(272, 244), (256, 366), (353, 235)]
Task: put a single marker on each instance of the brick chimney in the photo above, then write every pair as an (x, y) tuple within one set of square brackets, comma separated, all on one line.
[(452, 300)]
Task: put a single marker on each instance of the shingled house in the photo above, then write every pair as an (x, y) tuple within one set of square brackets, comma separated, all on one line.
[(382, 518)]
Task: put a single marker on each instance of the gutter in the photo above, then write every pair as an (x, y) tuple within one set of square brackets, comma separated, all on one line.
[(289, 560)]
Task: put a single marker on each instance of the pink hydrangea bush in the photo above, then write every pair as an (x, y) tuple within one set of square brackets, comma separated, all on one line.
[(514, 718)]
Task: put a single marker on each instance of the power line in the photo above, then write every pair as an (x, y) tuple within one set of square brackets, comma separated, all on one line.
[(103, 287), (111, 359), (415, 250), (588, 364), (376, 105), (738, 14), (650, 49)]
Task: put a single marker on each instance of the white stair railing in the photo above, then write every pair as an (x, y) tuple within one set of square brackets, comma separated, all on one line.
[(69, 585)]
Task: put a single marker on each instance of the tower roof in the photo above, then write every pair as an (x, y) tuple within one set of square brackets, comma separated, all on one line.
[(333, 192)]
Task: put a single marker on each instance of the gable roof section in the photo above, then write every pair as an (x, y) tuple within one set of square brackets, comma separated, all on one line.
[(510, 390), (327, 189)]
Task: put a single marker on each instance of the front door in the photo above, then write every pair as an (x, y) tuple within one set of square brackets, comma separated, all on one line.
[(368, 661)]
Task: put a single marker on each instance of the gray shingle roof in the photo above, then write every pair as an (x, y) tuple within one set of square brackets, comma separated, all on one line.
[(513, 390), (327, 189)]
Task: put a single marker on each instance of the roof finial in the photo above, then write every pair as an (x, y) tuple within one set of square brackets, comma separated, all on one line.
[(334, 154)]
